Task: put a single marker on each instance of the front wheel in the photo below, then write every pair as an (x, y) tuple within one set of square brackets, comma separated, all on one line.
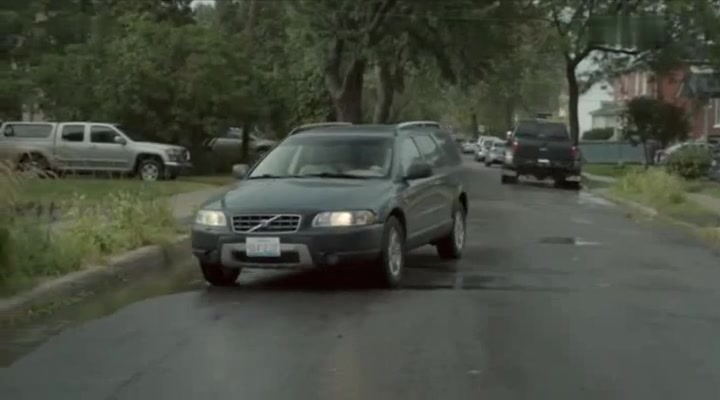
[(150, 170), (217, 275), (391, 264), (451, 246)]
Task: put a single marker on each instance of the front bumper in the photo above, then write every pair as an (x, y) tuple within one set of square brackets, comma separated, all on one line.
[(303, 249), (178, 168)]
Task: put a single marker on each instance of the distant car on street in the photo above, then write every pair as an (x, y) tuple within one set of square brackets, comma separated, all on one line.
[(468, 146), (542, 149), (485, 148), (496, 153), (334, 194)]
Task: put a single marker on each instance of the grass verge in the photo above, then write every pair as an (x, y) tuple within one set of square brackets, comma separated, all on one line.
[(612, 170), (665, 193), (102, 224)]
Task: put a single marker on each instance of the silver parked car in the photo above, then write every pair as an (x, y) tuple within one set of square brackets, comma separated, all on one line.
[(89, 146), (496, 153)]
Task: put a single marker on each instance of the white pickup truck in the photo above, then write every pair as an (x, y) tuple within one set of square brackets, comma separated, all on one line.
[(89, 146)]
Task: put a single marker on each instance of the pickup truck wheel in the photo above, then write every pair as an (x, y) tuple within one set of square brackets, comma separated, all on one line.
[(150, 170), (451, 246), (34, 163), (217, 275), (391, 264), (507, 179)]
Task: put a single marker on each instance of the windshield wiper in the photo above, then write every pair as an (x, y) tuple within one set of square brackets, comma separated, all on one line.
[(332, 175)]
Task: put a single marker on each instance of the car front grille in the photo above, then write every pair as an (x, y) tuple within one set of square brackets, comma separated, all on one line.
[(266, 223)]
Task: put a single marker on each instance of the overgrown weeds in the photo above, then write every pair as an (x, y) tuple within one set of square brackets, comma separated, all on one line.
[(653, 187), (34, 247)]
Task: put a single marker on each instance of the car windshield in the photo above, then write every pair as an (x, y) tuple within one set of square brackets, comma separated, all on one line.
[(328, 157), (542, 130)]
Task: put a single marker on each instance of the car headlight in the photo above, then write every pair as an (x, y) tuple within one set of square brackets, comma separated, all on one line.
[(344, 218), (210, 218)]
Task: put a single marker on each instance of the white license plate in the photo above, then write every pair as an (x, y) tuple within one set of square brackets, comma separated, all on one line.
[(543, 161), (262, 247)]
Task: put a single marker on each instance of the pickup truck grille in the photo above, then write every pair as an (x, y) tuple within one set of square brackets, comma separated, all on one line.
[(266, 223)]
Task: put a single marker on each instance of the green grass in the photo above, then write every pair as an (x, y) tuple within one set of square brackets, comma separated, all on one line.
[(90, 190), (666, 193), (105, 217), (611, 170), (217, 180)]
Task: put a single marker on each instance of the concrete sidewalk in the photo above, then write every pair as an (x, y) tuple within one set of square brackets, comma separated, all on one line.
[(706, 201)]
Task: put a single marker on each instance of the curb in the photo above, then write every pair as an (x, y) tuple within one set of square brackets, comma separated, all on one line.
[(137, 262), (641, 208)]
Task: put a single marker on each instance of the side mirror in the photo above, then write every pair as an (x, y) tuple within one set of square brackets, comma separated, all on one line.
[(120, 140), (240, 170), (419, 170)]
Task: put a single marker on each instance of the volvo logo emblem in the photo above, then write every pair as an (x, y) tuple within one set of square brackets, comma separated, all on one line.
[(264, 224)]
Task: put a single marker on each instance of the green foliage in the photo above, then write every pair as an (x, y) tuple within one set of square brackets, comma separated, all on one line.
[(653, 119), (31, 249), (689, 163), (654, 187), (598, 134)]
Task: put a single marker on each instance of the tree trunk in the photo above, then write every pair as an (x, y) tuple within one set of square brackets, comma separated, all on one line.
[(573, 100), (385, 93), (509, 113), (473, 124), (345, 87), (250, 35), (348, 100)]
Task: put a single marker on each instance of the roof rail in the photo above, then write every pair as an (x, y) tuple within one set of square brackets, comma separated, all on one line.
[(317, 125), (418, 124)]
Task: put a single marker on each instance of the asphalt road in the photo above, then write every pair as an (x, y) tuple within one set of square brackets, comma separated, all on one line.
[(559, 296)]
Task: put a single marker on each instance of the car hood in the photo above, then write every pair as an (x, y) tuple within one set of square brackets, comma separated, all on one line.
[(304, 194), (158, 146)]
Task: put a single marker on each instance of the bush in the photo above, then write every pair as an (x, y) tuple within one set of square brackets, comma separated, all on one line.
[(654, 187), (598, 134), (32, 248), (689, 163)]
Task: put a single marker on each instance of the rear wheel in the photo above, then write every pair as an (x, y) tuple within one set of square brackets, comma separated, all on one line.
[(391, 264), (508, 179), (217, 275), (452, 245)]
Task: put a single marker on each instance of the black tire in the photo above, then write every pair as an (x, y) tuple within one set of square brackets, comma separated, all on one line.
[(451, 246), (34, 163), (150, 164), (217, 275), (390, 274), (505, 179)]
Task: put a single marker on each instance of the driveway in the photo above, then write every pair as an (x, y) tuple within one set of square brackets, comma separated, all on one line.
[(559, 296)]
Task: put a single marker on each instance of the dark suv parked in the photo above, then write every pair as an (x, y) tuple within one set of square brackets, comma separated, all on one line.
[(338, 194)]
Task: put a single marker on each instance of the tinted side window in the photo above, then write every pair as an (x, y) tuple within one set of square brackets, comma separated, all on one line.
[(73, 133), (102, 134), (28, 131), (430, 150), (409, 154), (451, 151)]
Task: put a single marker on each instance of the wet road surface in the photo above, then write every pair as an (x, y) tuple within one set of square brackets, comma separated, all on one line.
[(559, 296)]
